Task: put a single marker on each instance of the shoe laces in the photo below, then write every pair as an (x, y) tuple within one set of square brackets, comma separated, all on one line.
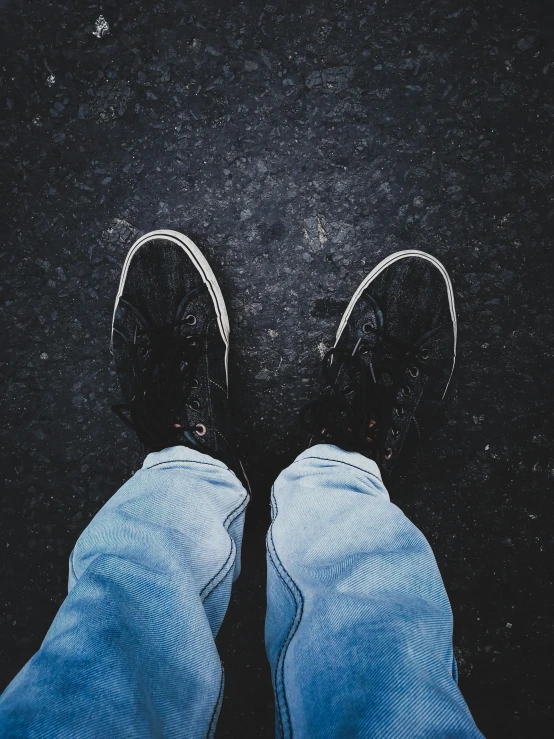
[(164, 360), (355, 411)]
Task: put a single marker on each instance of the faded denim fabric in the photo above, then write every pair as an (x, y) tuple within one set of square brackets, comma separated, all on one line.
[(131, 652), (358, 632), (359, 627)]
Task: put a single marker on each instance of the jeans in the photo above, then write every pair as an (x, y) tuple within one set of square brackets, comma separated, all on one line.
[(358, 629)]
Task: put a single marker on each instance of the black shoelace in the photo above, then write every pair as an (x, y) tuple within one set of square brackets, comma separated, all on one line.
[(164, 360), (361, 397)]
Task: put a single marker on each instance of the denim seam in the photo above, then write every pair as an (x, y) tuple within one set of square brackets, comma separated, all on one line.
[(339, 461), (280, 693), (243, 502), (227, 522), (299, 604), (184, 462), (224, 577), (217, 707), (281, 657), (223, 569), (237, 510), (71, 566)]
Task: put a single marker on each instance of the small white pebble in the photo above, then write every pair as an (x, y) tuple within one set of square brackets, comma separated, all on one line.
[(50, 80), (101, 27), (44, 355), (508, 626), (487, 448)]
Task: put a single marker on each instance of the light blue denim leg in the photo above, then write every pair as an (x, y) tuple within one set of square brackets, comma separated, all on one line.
[(131, 651), (359, 627)]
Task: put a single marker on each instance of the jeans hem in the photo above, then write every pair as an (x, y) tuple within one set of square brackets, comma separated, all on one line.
[(332, 453), (181, 454)]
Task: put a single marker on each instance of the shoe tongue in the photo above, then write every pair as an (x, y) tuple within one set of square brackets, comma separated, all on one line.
[(385, 378)]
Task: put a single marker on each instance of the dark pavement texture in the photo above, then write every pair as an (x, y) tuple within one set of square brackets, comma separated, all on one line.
[(297, 144)]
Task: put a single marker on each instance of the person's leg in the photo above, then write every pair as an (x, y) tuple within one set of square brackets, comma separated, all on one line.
[(131, 652), (359, 627)]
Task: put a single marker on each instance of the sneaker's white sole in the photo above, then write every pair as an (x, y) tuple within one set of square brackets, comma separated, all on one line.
[(386, 263), (201, 264)]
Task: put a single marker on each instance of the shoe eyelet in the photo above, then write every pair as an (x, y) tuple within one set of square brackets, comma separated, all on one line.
[(200, 429), (367, 328), (395, 433), (194, 383), (407, 391), (143, 352), (194, 405), (414, 371), (425, 354), (190, 320), (347, 389), (399, 411), (388, 453)]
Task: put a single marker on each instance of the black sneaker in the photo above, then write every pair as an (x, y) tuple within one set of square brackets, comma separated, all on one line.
[(392, 361), (170, 342)]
